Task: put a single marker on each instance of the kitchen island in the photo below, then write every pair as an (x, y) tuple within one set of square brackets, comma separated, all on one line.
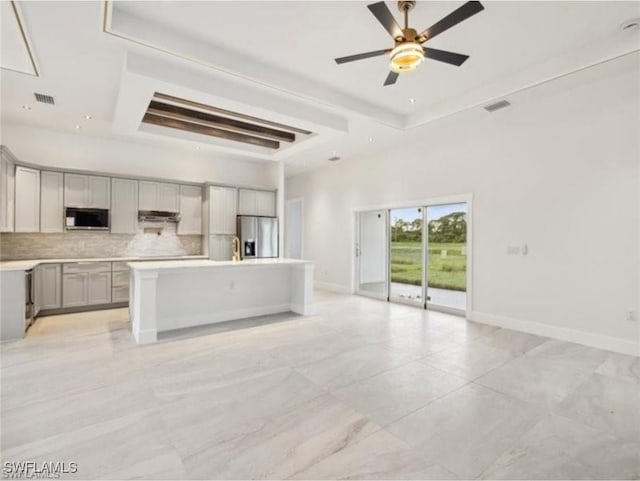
[(170, 295)]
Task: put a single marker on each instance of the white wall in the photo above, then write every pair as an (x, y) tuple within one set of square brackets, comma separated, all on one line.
[(78, 151), (559, 170)]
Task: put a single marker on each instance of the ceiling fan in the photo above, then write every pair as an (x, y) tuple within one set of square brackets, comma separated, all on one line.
[(408, 51)]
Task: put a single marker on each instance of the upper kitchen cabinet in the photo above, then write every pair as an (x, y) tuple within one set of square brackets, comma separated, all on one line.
[(158, 196), (222, 210), (256, 202), (190, 210), (87, 191), (7, 187), (27, 200), (124, 206), (51, 204)]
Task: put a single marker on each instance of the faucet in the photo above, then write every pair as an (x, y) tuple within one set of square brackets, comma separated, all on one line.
[(236, 248)]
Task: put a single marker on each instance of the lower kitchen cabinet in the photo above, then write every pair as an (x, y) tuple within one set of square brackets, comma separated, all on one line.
[(99, 288), (86, 283), (74, 290), (49, 286)]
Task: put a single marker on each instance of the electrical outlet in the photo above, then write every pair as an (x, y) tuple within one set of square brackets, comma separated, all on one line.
[(513, 250), (631, 315)]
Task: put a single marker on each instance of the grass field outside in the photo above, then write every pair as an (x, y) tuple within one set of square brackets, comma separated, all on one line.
[(447, 264)]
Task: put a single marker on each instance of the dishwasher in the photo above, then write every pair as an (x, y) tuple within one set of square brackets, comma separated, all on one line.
[(28, 298)]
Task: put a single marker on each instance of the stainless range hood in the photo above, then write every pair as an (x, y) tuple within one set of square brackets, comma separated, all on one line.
[(157, 216)]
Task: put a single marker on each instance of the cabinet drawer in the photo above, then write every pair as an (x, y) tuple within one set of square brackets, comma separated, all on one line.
[(119, 266), (120, 279), (78, 267), (120, 294)]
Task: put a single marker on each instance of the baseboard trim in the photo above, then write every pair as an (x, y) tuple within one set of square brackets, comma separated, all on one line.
[(561, 333), (331, 287)]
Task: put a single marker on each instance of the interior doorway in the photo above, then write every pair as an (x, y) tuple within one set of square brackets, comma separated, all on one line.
[(294, 228)]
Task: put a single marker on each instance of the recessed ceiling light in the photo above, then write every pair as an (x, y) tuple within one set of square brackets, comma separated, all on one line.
[(370, 139), (412, 101), (26, 107), (197, 147), (78, 126), (87, 117)]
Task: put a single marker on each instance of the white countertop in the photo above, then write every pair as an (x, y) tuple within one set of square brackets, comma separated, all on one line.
[(192, 264), (23, 265)]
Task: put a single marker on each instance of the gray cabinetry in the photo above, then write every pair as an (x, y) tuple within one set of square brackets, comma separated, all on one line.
[(99, 288), (86, 191), (49, 286), (222, 210), (256, 202), (74, 289), (7, 186), (190, 210), (158, 196), (124, 206), (51, 201), (120, 282), (86, 283), (27, 200)]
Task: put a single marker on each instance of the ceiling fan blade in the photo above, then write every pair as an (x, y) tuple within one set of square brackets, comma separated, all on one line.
[(361, 56), (465, 11), (383, 14), (391, 78), (444, 56)]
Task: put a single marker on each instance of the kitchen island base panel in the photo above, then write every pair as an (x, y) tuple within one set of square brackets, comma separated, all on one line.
[(185, 296)]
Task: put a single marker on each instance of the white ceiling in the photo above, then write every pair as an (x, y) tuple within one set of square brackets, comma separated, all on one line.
[(287, 50), (14, 43)]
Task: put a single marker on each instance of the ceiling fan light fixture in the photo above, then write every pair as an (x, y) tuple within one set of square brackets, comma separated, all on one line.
[(406, 57)]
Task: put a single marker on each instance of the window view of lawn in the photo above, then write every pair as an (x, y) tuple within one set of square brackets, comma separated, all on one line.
[(447, 264), (447, 231)]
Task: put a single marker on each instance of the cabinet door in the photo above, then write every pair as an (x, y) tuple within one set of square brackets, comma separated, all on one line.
[(99, 192), (74, 290), (222, 210), (49, 286), (220, 247), (147, 195), (76, 190), (247, 202), (51, 195), (190, 210), (168, 197), (27, 200), (99, 288), (266, 203), (124, 206), (7, 196)]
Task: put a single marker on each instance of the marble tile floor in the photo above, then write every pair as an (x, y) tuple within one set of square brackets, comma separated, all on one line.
[(362, 390)]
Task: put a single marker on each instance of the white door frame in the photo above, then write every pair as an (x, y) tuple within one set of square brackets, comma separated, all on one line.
[(449, 199), (356, 253), (288, 204)]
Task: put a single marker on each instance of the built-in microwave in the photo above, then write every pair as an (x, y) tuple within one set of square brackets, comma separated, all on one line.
[(86, 219)]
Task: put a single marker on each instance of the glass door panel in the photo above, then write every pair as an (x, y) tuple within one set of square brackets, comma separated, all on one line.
[(372, 253), (406, 255), (447, 256)]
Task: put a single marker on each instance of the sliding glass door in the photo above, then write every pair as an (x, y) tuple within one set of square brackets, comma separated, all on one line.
[(446, 249), (406, 255), (371, 254), (414, 255)]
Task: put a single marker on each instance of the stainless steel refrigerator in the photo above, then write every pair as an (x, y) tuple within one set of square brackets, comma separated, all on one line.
[(258, 236)]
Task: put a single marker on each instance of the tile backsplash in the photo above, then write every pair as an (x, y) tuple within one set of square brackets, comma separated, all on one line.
[(78, 244)]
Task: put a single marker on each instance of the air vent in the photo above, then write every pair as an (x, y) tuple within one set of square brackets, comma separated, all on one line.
[(497, 106), (175, 113), (335, 158), (44, 99)]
